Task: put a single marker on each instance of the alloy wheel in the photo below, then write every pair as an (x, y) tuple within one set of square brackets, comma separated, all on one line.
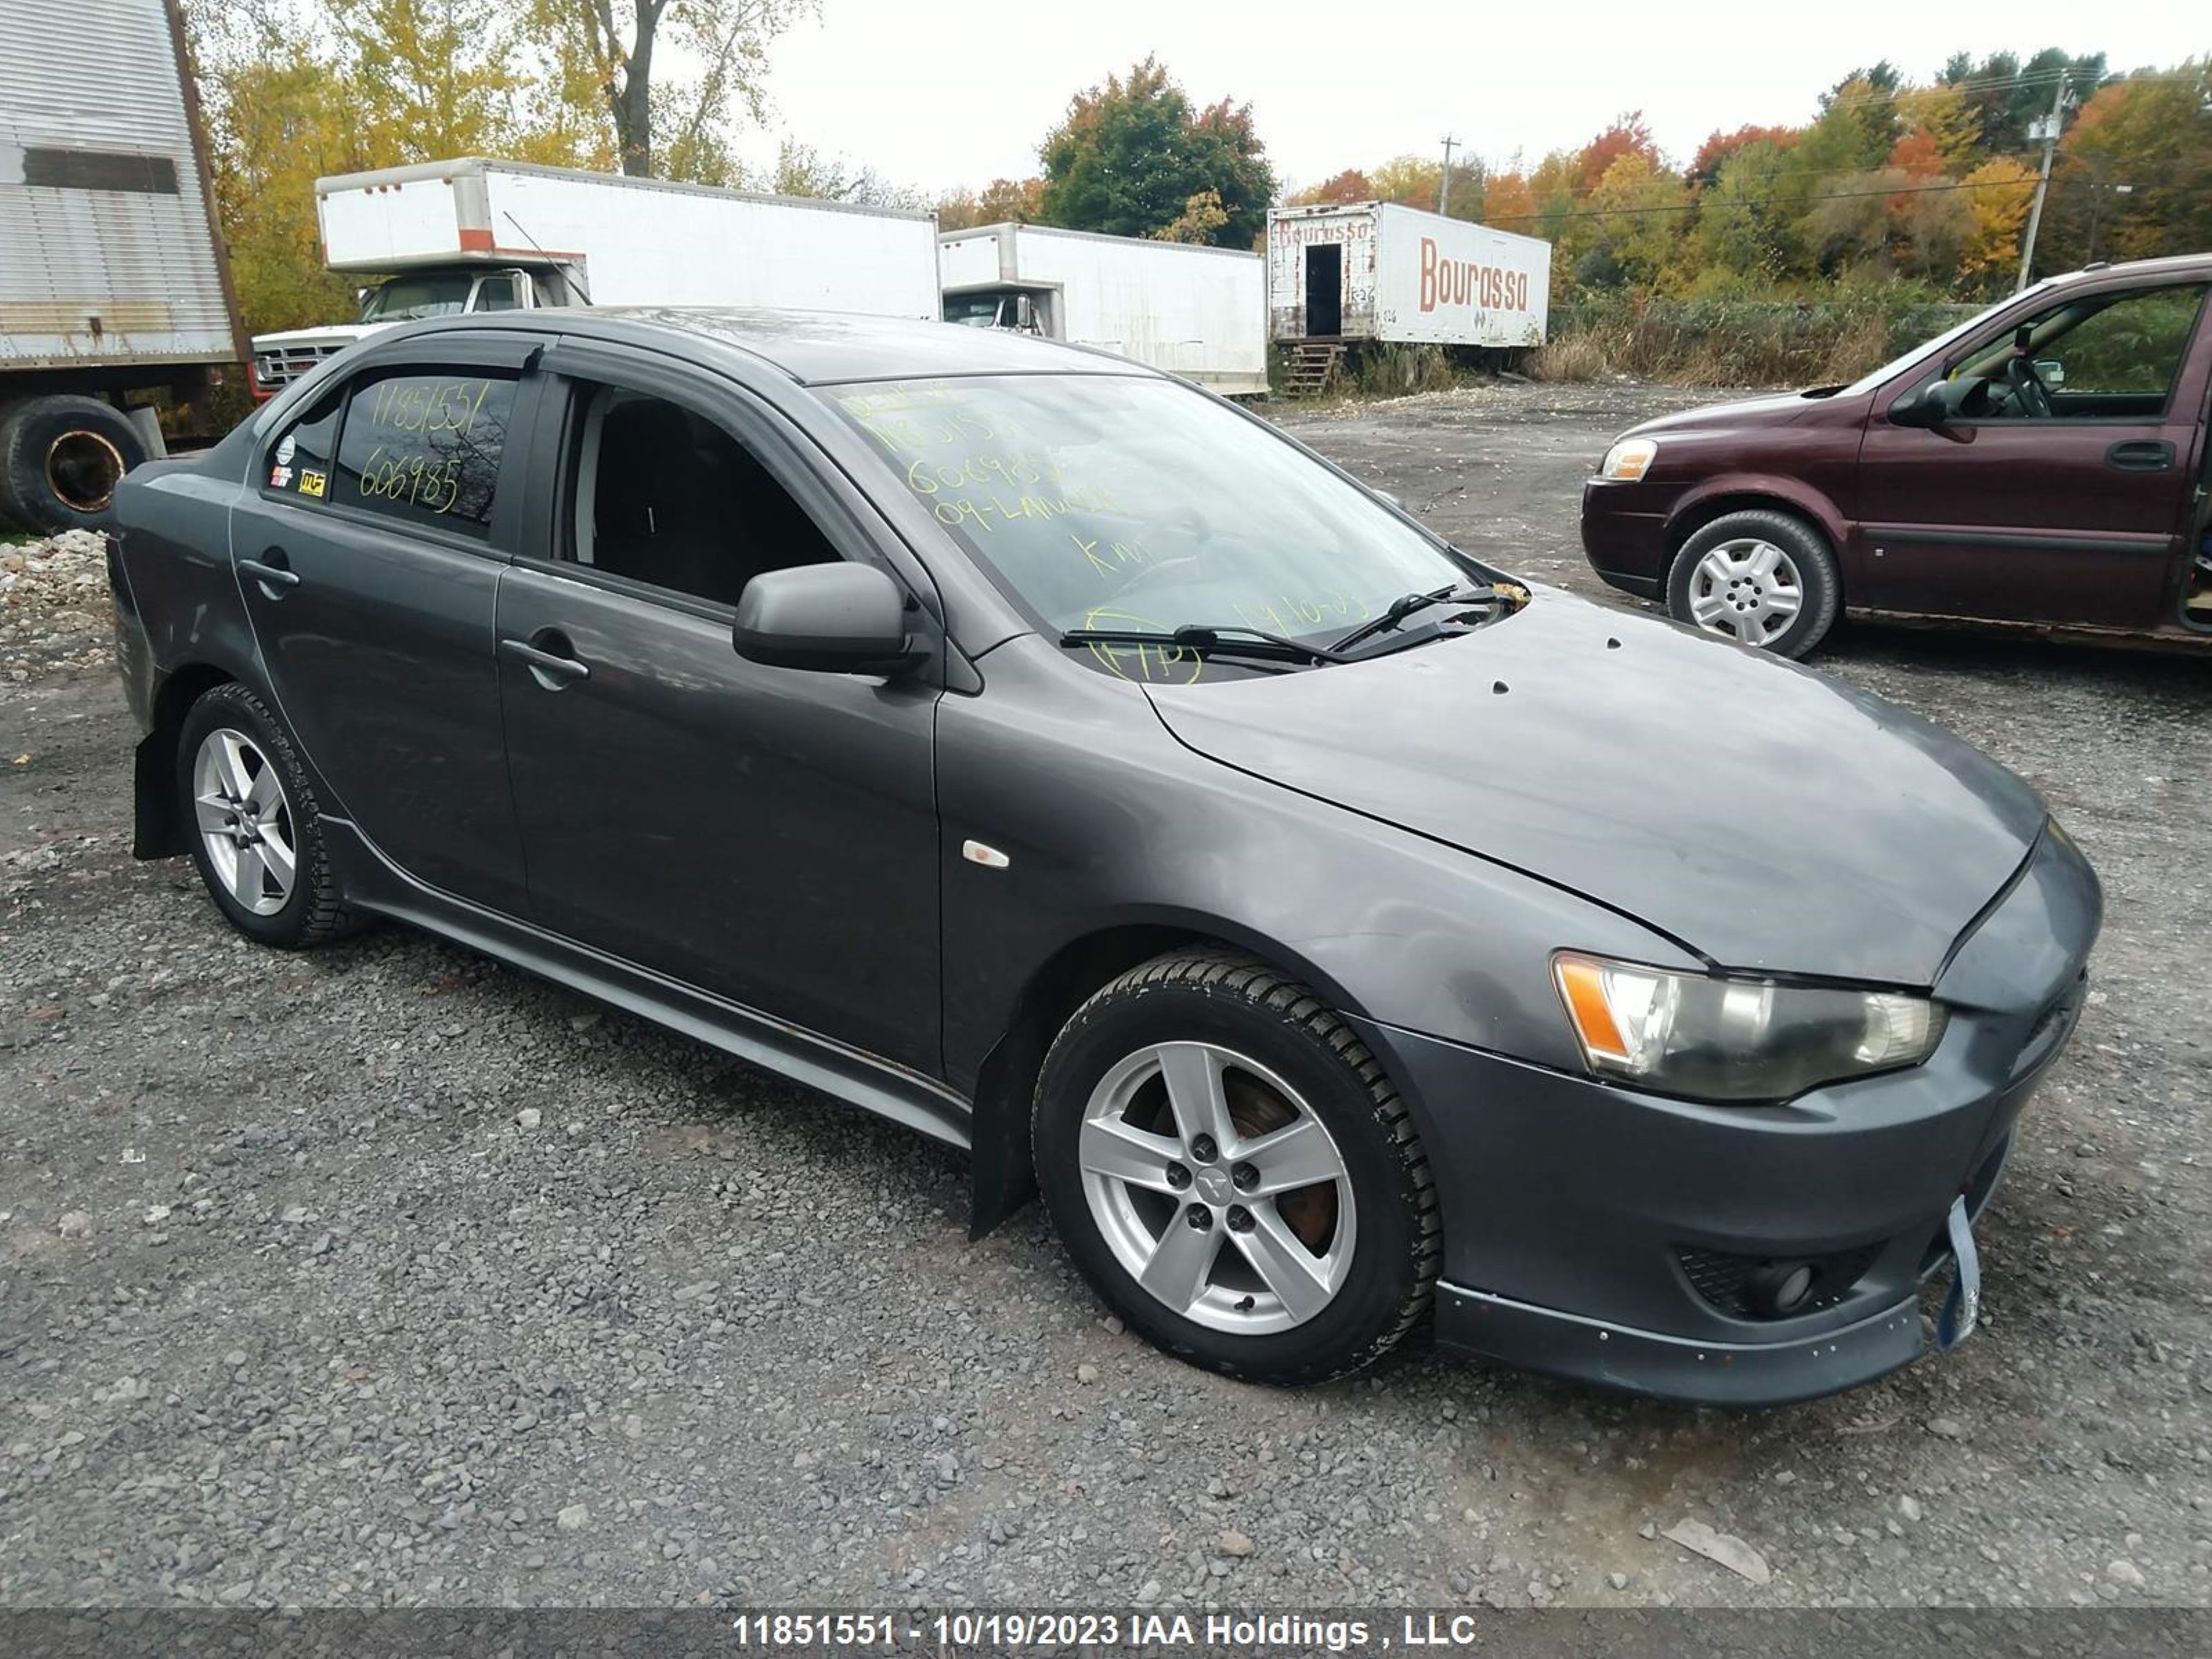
[(1746, 590), (245, 821), (1217, 1188)]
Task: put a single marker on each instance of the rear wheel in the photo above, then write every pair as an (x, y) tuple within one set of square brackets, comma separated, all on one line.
[(255, 833), (1232, 1171), (1761, 578), (60, 460)]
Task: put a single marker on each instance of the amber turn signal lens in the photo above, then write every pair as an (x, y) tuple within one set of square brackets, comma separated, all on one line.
[(1582, 981)]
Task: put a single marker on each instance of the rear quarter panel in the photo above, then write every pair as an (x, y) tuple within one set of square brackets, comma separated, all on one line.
[(174, 525)]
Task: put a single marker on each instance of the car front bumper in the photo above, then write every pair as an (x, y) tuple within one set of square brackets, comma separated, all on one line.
[(1621, 1238), (1623, 529)]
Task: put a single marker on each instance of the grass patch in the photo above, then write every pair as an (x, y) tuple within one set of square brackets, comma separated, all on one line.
[(1737, 342)]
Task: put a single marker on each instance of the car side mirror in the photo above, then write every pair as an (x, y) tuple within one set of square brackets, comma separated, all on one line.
[(1930, 406), (831, 618), (2052, 372)]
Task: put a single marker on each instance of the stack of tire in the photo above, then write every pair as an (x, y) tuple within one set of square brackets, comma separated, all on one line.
[(61, 457)]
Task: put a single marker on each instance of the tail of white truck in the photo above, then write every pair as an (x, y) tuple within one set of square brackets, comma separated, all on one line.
[(1200, 313), (113, 277), (478, 234)]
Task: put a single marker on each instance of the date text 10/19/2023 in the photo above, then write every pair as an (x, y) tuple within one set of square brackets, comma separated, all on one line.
[(1059, 1631)]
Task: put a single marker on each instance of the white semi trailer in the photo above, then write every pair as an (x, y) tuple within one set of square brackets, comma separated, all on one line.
[(113, 279), (1341, 273), (1200, 313), (473, 234)]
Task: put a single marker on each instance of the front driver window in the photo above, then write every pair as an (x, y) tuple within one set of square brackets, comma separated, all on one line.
[(667, 497), (2105, 356)]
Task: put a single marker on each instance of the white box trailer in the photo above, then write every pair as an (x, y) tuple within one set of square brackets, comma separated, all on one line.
[(111, 274), (1375, 270), (1200, 313), (475, 234)]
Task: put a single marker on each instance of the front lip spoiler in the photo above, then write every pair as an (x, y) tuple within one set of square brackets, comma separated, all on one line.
[(1684, 1368)]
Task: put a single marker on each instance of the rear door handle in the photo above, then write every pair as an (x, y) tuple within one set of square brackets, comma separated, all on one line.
[(275, 579), (551, 669), (2139, 455)]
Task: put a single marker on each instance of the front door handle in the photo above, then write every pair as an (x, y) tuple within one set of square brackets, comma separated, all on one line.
[(550, 669), (2139, 455), (275, 579)]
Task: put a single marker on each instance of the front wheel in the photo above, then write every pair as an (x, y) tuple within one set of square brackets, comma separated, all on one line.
[(1233, 1172), (1761, 578)]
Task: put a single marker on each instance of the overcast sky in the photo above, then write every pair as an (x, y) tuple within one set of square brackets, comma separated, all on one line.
[(936, 96)]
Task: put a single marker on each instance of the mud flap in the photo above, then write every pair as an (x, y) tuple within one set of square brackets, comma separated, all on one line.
[(1962, 1307)]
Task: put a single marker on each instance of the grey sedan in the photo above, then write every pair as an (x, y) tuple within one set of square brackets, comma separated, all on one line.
[(1062, 762)]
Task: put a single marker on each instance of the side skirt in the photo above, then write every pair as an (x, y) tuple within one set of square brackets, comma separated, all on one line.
[(372, 883)]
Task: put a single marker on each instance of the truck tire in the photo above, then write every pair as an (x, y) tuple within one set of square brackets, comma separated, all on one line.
[(61, 458), (8, 524)]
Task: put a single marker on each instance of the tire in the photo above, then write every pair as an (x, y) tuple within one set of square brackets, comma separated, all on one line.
[(60, 460), (245, 878), (1736, 569), (1357, 1253), (8, 523)]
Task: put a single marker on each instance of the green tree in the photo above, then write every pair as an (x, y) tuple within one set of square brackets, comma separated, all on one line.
[(1130, 156), (2154, 135), (803, 170), (616, 41)]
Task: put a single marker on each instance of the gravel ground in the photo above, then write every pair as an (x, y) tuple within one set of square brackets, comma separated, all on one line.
[(386, 1275)]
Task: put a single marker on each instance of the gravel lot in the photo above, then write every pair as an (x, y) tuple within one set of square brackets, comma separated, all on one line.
[(386, 1275)]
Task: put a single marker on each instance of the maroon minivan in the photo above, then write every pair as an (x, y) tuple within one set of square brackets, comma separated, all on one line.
[(2042, 465)]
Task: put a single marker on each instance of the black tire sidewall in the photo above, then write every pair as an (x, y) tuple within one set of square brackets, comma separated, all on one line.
[(234, 707), (1808, 550), (28, 430), (1385, 1269)]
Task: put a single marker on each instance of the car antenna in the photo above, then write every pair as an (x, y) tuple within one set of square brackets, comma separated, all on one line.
[(575, 282)]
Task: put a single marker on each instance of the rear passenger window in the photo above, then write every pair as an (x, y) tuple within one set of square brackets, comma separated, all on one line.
[(424, 448), (299, 465)]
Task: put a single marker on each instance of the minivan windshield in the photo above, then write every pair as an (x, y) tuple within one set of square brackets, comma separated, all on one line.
[(1105, 501), (406, 298), (1948, 337)]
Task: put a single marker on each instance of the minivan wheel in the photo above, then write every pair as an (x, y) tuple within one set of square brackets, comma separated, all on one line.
[(1233, 1172), (1763, 579), (256, 835)]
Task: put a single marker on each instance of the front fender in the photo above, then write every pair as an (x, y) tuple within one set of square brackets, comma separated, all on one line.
[(1742, 490), (1059, 772)]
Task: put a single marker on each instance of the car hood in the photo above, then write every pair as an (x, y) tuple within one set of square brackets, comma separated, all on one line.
[(1767, 816), (326, 334), (1779, 410)]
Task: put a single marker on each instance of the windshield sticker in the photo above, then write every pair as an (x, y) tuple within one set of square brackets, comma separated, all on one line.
[(286, 450), (280, 478), (313, 483)]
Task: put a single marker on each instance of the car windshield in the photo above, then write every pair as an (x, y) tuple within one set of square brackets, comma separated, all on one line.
[(405, 298), (1949, 337), (1101, 501)]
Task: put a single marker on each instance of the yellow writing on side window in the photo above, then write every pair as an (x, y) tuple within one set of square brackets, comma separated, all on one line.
[(423, 406)]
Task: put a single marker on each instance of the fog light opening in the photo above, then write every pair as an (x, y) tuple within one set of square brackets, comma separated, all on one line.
[(1780, 1288)]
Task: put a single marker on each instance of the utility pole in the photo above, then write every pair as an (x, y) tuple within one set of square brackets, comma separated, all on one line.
[(2046, 130), (1444, 186)]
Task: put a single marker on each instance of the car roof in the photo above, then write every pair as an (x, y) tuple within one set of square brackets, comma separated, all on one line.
[(814, 347), (2173, 264)]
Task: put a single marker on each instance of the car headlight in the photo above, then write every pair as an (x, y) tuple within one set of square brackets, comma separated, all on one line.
[(1736, 1039), (1629, 459)]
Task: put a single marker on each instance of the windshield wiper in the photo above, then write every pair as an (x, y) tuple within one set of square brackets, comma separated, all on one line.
[(1398, 609), (1203, 638)]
